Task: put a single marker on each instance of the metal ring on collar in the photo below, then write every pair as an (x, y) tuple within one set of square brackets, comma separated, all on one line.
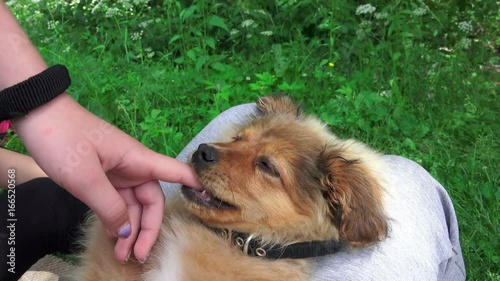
[(247, 242)]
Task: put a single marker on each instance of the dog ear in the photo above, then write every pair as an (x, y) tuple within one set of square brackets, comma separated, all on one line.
[(355, 199), (278, 104)]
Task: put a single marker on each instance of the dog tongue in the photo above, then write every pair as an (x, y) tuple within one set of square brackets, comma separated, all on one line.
[(205, 195)]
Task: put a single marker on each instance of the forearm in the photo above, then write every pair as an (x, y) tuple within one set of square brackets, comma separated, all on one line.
[(19, 59), (26, 168)]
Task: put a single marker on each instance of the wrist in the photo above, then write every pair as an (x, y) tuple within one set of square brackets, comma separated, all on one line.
[(23, 97), (59, 104)]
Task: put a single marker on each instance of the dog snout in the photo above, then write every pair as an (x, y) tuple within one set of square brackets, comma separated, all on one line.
[(205, 154)]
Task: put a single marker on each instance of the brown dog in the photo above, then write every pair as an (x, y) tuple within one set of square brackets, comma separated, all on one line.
[(283, 190)]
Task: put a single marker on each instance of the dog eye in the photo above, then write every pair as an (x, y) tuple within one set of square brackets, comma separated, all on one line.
[(237, 138), (265, 165)]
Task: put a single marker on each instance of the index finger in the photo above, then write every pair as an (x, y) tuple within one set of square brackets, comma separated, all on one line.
[(164, 168)]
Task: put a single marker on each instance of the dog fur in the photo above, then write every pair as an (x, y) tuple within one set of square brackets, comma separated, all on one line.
[(284, 178)]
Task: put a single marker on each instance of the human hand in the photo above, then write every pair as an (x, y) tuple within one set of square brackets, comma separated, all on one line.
[(115, 175)]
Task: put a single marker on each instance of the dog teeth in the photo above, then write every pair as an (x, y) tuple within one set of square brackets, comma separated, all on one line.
[(205, 195)]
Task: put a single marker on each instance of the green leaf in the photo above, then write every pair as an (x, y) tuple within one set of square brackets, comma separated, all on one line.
[(330, 119), (218, 22), (295, 86), (218, 66), (224, 95), (323, 62), (210, 42), (200, 62), (179, 60), (363, 125), (410, 144), (187, 13), (191, 54), (256, 87), (155, 113), (145, 126), (174, 38), (396, 56)]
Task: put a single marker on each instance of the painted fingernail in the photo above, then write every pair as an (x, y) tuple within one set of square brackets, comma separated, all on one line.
[(144, 260), (125, 231)]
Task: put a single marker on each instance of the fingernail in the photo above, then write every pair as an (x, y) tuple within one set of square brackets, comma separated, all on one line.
[(144, 260), (125, 231), (128, 257)]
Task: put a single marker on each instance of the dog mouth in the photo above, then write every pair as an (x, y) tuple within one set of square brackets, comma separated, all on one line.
[(206, 199)]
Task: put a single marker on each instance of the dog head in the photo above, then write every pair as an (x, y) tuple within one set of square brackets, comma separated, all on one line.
[(286, 178)]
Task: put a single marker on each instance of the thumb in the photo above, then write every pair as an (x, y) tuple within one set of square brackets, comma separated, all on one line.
[(106, 202)]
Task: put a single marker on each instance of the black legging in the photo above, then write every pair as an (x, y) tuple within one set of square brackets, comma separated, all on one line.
[(48, 222)]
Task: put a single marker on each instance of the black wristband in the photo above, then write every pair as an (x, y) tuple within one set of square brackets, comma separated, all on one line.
[(25, 96)]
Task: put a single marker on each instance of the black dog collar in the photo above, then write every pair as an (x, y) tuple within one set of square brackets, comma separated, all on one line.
[(253, 247)]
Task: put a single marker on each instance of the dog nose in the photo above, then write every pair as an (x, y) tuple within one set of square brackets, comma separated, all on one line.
[(205, 154)]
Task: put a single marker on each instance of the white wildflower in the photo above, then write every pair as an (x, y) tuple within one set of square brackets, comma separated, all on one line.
[(421, 11), (111, 12), (360, 34), (433, 69), (124, 2), (74, 3), (247, 23), (140, 2), (52, 24), (267, 33), (35, 1), (97, 6), (365, 24), (464, 43), (386, 94), (143, 24), (136, 35), (381, 16), (365, 9), (248, 78), (465, 26), (234, 31)]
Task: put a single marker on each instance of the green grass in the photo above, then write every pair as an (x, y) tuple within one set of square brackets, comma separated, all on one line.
[(421, 86)]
